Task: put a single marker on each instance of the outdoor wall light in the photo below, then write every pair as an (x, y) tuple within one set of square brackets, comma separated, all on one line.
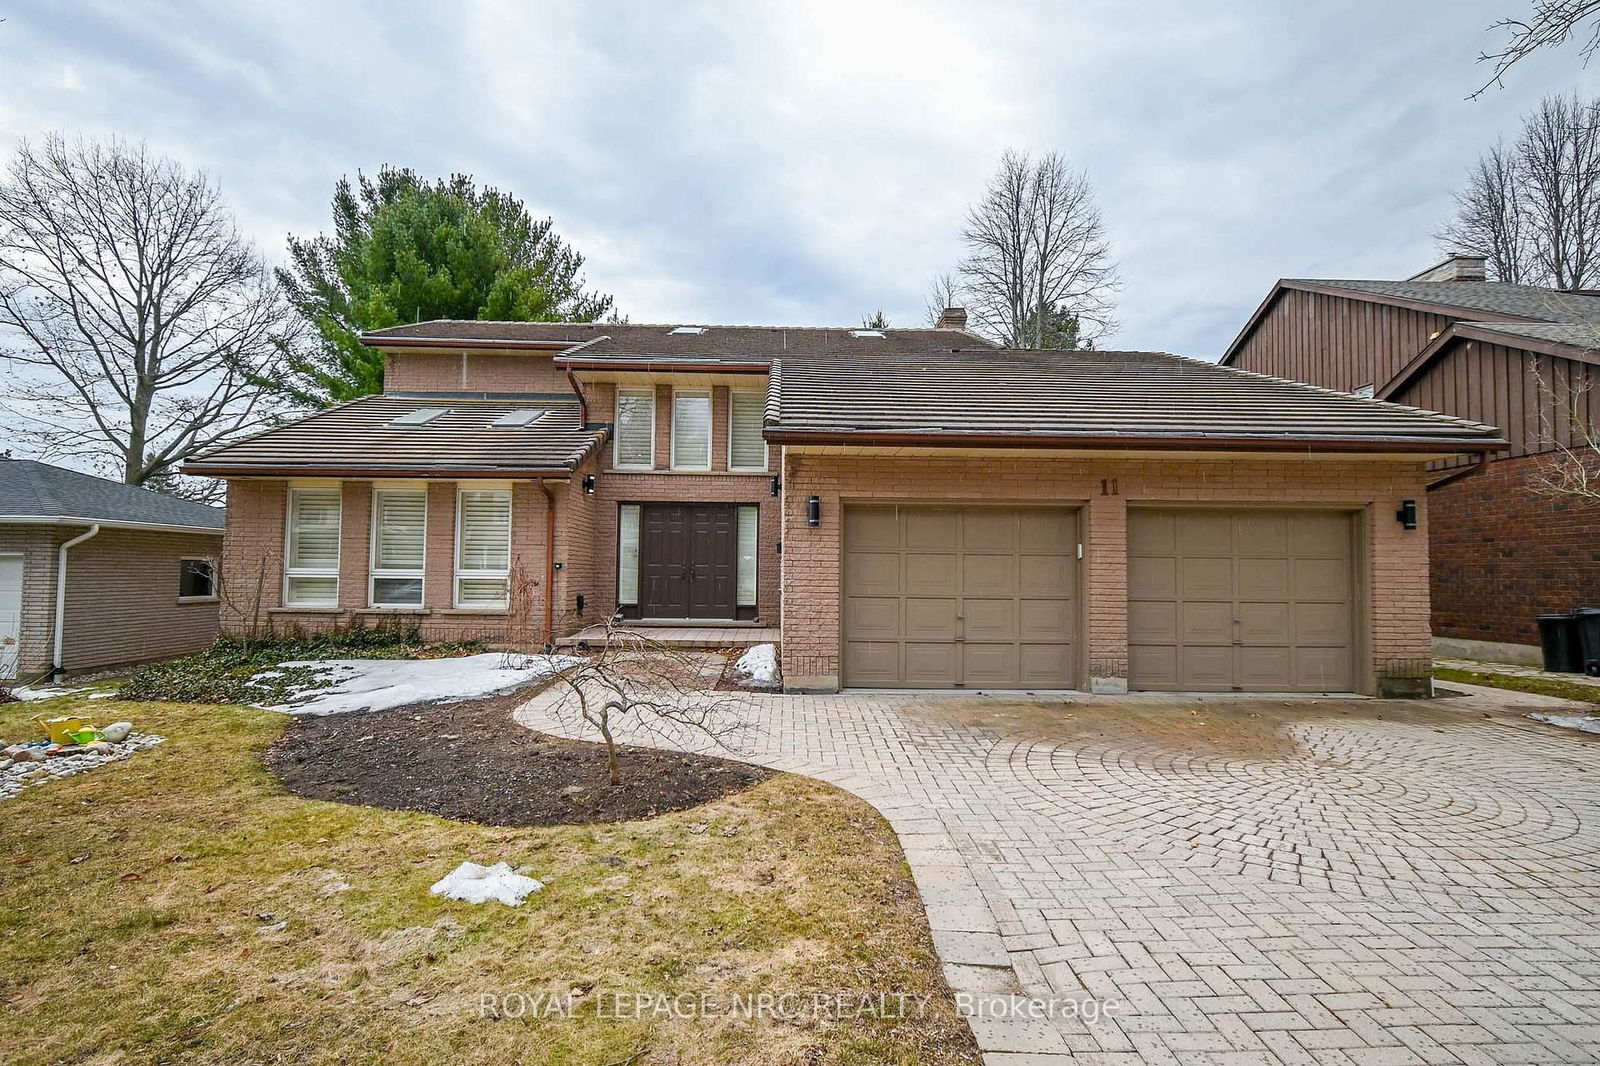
[(814, 511), (588, 484), (777, 486), (1407, 515)]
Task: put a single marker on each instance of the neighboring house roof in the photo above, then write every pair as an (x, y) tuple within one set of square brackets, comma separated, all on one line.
[(37, 493), (612, 343), (361, 438), (1089, 399), (1525, 311)]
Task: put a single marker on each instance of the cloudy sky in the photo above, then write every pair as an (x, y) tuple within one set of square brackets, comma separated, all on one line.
[(807, 163)]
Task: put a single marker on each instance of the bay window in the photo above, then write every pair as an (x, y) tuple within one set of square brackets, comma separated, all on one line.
[(691, 430), (311, 556), (635, 441), (483, 549), (399, 547)]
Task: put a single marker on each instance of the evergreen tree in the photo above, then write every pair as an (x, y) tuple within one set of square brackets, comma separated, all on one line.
[(408, 250)]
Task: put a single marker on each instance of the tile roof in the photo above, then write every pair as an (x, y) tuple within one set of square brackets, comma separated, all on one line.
[(1493, 297), (357, 439), (1575, 334), (631, 342), (37, 490), (1097, 397)]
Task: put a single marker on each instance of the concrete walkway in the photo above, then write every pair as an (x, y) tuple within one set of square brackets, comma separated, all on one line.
[(1229, 880)]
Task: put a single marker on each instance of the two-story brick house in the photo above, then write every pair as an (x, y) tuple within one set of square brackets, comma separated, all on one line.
[(914, 508), (1504, 548)]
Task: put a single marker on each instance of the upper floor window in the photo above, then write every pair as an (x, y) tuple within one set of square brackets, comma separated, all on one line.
[(399, 539), (746, 448), (311, 556), (635, 440), (691, 430)]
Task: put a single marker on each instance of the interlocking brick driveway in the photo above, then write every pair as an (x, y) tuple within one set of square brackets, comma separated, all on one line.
[(1236, 880)]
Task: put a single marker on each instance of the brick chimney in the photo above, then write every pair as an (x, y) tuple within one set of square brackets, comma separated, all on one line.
[(952, 318), (1456, 268)]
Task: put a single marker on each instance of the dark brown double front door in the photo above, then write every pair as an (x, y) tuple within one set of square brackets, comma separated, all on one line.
[(688, 560)]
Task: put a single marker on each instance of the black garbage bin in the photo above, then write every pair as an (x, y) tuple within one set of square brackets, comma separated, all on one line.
[(1588, 622), (1561, 644)]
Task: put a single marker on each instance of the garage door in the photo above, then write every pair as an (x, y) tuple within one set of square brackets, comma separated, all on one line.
[(1245, 600), (10, 613), (952, 597)]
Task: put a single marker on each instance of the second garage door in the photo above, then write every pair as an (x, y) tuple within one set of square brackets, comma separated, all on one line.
[(1245, 600), (952, 597)]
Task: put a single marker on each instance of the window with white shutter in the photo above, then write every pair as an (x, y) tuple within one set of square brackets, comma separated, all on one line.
[(635, 441), (691, 430), (311, 556), (483, 548), (628, 555), (746, 449), (399, 546), (747, 557)]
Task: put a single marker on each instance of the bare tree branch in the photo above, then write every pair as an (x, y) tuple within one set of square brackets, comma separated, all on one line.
[(944, 291), (140, 324), (1550, 24)]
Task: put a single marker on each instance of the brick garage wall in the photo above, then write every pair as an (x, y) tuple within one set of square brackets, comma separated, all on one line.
[(1504, 553), (472, 372), (37, 546), (1395, 596), (122, 599), (253, 567)]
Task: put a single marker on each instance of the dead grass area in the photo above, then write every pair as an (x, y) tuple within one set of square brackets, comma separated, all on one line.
[(181, 906), (1542, 686)]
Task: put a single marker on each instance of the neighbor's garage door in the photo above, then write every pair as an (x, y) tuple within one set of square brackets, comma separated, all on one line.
[(945, 597), (10, 613), (1244, 600)]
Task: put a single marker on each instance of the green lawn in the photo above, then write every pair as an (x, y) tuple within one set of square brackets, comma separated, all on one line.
[(1543, 686), (180, 906)]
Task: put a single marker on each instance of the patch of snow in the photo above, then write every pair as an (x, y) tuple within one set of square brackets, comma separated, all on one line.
[(758, 667), (1586, 723), (27, 693), (472, 883), (375, 684)]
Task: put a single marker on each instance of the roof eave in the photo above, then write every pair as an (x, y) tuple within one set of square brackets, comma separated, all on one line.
[(107, 523), (1170, 442), (279, 470), (373, 341), (694, 366)]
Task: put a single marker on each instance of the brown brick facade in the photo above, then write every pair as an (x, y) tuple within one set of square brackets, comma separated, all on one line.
[(122, 603), (1504, 552), (1394, 590)]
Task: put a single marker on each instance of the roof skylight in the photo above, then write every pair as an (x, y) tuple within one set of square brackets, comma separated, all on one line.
[(420, 417), (526, 416), (866, 333), (687, 331)]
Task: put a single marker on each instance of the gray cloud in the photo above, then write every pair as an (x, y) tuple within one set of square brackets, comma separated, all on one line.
[(811, 163)]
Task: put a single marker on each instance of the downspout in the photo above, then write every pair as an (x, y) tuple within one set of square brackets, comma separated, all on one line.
[(61, 597), (1465, 472), (583, 401), (549, 564)]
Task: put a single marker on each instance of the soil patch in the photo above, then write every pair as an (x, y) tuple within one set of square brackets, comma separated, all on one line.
[(469, 761)]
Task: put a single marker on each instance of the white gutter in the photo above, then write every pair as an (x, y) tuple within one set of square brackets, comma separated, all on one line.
[(69, 520), (61, 596)]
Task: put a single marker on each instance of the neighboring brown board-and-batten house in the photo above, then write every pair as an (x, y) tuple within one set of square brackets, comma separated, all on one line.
[(95, 574), (913, 507), (1520, 357)]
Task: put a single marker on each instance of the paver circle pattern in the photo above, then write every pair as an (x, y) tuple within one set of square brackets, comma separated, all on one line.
[(1349, 804)]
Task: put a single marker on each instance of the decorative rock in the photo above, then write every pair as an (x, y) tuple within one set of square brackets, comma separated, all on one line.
[(117, 732), (100, 747), (37, 775)]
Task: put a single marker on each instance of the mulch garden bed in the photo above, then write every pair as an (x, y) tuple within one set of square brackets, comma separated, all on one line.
[(469, 761)]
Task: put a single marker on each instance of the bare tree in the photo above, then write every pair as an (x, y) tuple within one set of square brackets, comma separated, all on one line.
[(1491, 217), (943, 291), (1038, 254), (142, 323), (1533, 210), (634, 681), (1550, 24), (876, 320)]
